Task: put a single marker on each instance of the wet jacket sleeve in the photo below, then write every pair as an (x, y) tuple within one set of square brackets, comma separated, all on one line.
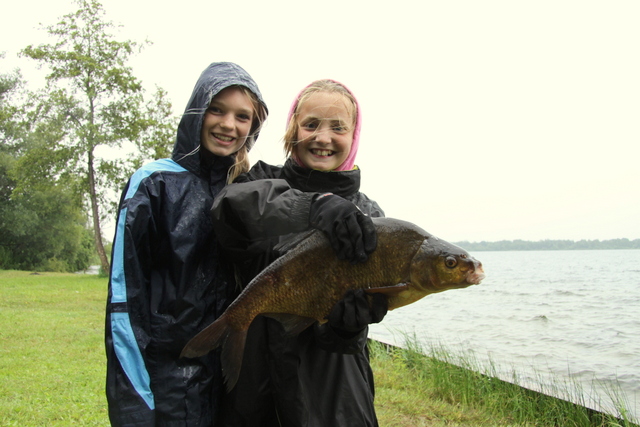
[(247, 216), (326, 337), (129, 394), (329, 340)]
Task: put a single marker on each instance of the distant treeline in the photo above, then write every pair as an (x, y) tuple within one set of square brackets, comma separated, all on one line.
[(549, 245)]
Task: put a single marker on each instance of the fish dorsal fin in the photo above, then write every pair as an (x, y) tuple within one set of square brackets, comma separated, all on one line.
[(292, 323), (291, 242)]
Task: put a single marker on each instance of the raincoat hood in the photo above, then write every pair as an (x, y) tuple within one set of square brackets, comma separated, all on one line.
[(349, 162), (215, 78)]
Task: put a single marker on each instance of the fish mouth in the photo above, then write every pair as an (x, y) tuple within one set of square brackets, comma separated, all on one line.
[(476, 276)]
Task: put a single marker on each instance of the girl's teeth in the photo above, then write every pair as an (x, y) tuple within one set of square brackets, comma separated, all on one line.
[(223, 138), (322, 152)]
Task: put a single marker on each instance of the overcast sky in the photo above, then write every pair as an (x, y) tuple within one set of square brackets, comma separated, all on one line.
[(482, 120)]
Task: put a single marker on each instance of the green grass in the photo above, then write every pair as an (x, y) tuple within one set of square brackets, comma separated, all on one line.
[(52, 361), (52, 369), (436, 390)]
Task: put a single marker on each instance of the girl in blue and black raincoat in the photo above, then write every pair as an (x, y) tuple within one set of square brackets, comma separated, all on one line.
[(167, 281)]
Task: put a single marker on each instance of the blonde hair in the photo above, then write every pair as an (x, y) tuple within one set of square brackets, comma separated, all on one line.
[(291, 135), (242, 164)]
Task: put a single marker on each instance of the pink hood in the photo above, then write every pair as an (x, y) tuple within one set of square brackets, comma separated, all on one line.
[(349, 162)]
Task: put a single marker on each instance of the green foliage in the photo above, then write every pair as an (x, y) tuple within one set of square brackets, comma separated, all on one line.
[(11, 127), (52, 176), (92, 100), (157, 138), (44, 230), (42, 224)]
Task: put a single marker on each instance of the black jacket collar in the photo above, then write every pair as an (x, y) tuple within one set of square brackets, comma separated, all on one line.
[(342, 183)]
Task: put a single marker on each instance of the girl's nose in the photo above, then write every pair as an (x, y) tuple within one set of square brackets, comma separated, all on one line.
[(227, 121), (323, 135)]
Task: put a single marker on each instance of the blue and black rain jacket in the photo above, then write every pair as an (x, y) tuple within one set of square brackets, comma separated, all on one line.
[(167, 281)]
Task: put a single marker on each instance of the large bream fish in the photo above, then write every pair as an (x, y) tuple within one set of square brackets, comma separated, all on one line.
[(303, 285)]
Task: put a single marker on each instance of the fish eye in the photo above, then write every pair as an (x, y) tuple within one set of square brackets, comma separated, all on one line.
[(450, 261)]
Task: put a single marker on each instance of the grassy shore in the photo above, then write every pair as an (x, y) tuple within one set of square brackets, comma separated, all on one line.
[(52, 369), (417, 390)]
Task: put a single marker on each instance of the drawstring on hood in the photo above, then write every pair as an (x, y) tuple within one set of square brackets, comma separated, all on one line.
[(349, 162), (215, 78)]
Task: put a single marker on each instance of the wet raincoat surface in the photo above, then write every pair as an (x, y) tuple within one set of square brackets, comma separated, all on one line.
[(167, 281), (315, 379)]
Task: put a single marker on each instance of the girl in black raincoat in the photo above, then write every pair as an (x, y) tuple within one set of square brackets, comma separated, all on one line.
[(166, 280), (321, 377)]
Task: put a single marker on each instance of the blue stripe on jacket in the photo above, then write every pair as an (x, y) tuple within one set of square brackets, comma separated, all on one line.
[(124, 340)]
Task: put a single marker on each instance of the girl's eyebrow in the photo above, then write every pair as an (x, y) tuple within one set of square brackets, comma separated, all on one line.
[(326, 119), (219, 104)]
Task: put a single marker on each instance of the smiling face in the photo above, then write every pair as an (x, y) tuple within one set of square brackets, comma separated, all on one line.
[(325, 131), (227, 122)]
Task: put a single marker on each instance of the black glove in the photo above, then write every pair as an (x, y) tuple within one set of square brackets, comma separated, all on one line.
[(351, 233), (354, 312)]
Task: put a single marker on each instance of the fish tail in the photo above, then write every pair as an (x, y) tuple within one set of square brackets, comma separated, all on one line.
[(208, 339), (232, 340), (232, 353)]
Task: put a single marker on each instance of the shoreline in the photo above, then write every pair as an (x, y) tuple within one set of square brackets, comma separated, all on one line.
[(443, 361)]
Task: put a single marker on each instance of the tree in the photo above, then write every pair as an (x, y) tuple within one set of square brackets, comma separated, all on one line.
[(157, 138), (44, 230), (11, 127), (93, 100), (42, 227)]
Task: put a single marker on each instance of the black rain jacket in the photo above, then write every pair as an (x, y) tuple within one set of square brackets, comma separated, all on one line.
[(315, 379), (167, 281)]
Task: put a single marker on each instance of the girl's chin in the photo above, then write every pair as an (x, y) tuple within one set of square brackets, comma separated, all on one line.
[(327, 163), (222, 150), (320, 165)]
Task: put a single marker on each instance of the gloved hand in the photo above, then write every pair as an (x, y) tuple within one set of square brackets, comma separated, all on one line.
[(354, 312), (351, 232)]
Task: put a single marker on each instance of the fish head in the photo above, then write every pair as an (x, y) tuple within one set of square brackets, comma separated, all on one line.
[(439, 265)]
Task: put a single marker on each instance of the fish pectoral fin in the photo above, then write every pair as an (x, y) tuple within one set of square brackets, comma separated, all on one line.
[(292, 323), (390, 291)]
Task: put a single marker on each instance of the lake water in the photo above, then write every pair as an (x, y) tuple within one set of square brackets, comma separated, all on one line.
[(564, 318)]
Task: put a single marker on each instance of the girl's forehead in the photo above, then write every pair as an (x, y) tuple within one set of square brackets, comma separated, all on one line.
[(326, 105), (231, 92)]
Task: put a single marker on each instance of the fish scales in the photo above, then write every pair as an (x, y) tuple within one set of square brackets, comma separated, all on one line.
[(304, 284), (388, 264)]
